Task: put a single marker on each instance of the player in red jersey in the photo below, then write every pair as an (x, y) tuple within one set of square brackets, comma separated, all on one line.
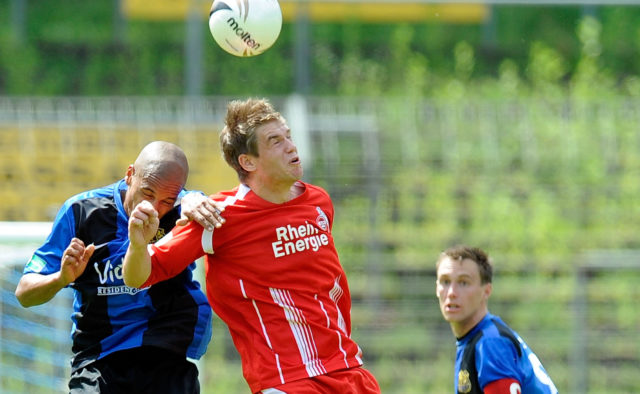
[(272, 271)]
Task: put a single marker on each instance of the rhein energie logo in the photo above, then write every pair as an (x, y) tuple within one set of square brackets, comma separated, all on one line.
[(244, 35), (294, 239)]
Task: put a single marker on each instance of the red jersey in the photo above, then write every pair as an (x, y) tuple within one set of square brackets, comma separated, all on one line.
[(274, 277)]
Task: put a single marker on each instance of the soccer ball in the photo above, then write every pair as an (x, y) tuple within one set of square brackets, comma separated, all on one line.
[(245, 27)]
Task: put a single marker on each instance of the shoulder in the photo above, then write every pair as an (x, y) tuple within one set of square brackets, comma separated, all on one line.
[(315, 189), (105, 191), (505, 332), (316, 195), (497, 345), (93, 200), (228, 197), (88, 196), (86, 201), (498, 339)]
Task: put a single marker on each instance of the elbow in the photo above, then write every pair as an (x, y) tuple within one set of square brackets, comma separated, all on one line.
[(22, 299), (128, 281), (131, 278), (133, 283)]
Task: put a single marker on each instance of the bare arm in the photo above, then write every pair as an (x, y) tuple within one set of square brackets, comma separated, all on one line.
[(143, 224), (35, 289)]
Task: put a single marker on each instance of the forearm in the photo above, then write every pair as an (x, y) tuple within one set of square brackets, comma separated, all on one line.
[(35, 289), (136, 266)]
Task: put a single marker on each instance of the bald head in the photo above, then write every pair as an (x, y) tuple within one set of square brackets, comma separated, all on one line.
[(158, 175), (160, 159)]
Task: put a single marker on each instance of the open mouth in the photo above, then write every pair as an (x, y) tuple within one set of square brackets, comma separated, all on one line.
[(452, 307), (295, 160)]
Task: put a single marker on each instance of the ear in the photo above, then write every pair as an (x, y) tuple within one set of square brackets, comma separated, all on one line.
[(488, 288), (129, 174), (247, 162)]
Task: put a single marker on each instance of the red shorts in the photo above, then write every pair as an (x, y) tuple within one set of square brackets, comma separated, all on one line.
[(346, 381)]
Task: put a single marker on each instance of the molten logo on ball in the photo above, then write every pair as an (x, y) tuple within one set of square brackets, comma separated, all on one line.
[(245, 27), (245, 36)]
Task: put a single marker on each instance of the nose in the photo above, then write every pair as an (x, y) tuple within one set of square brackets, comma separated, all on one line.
[(291, 146), (155, 203), (451, 291)]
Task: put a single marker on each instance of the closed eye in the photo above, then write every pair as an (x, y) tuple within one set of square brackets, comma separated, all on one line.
[(275, 140)]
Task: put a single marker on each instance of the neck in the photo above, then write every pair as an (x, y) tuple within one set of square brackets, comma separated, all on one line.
[(461, 329), (125, 203), (276, 195)]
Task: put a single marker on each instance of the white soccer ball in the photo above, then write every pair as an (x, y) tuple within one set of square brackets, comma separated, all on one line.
[(245, 27)]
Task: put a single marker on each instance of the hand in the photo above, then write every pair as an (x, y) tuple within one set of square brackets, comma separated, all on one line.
[(143, 224), (74, 260), (205, 211)]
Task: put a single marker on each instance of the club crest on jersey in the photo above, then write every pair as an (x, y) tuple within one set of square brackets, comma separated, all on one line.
[(322, 221), (158, 235), (464, 383)]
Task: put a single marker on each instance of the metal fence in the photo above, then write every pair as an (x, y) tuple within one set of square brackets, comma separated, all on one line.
[(535, 182), (34, 343)]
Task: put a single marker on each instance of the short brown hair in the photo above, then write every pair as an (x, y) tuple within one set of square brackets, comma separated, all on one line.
[(238, 135), (477, 255)]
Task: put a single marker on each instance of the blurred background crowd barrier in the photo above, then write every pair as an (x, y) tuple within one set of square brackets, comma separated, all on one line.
[(548, 187)]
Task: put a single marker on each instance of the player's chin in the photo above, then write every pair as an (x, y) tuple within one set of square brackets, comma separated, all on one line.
[(451, 315), (296, 172)]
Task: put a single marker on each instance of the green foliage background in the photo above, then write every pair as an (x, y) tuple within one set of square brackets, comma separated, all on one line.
[(76, 48)]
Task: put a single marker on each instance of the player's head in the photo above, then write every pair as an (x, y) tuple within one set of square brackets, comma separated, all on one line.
[(257, 140), (158, 175), (463, 286)]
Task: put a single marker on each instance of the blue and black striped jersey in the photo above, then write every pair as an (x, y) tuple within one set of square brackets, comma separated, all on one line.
[(109, 316), (492, 351)]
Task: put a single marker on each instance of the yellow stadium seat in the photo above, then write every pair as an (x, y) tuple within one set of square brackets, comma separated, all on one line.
[(45, 168), (9, 139)]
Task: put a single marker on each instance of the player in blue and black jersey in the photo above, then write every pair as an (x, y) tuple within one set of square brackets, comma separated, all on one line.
[(491, 358), (126, 340)]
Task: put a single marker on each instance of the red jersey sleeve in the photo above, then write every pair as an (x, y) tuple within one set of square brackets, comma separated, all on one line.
[(503, 386), (175, 251)]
